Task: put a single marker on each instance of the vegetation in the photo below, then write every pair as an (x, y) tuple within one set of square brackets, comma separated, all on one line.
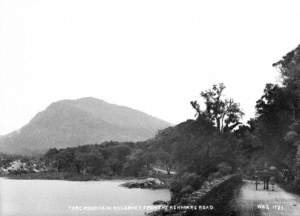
[(214, 144), (217, 140), (108, 159), (225, 114), (221, 197)]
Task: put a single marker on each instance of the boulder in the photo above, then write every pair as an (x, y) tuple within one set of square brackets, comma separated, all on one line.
[(151, 183), (160, 202)]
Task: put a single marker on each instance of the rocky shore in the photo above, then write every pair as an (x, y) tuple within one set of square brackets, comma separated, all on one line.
[(149, 183)]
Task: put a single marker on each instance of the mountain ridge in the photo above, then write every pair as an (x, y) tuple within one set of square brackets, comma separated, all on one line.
[(68, 123)]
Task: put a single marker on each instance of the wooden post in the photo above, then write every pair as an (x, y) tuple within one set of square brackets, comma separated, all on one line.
[(256, 182)]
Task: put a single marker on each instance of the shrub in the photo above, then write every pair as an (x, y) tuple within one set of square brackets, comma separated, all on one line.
[(185, 184)]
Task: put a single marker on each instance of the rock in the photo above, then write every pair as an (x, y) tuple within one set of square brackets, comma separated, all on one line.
[(155, 181), (160, 202), (151, 183)]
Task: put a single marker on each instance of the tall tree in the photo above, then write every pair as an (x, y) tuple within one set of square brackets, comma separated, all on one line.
[(224, 113), (289, 67)]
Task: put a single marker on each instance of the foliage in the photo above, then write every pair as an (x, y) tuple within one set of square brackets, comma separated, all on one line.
[(215, 143), (108, 159), (166, 159), (289, 67), (277, 122), (225, 114), (185, 184)]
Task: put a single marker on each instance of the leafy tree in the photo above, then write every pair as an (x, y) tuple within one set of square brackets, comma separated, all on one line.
[(64, 160), (289, 67), (51, 152), (277, 116), (274, 115), (166, 159), (148, 158), (276, 104), (106, 159), (225, 114), (135, 164), (120, 151), (89, 162)]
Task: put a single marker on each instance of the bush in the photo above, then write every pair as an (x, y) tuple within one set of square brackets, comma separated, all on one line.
[(187, 190), (185, 184), (224, 168)]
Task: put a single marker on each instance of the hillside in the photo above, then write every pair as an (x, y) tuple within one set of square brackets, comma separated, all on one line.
[(70, 123)]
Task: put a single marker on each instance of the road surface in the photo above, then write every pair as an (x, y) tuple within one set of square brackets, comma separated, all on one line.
[(250, 202), (163, 171)]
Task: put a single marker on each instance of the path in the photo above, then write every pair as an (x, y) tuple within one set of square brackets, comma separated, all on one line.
[(163, 171), (266, 203)]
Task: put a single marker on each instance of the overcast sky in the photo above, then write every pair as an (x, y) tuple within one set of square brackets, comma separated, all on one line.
[(154, 56)]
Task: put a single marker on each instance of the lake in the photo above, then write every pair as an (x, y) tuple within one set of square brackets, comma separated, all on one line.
[(66, 198)]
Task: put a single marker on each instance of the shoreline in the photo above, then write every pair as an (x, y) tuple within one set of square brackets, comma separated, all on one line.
[(81, 178), (67, 177)]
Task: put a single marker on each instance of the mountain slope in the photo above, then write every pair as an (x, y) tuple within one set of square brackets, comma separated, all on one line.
[(77, 122)]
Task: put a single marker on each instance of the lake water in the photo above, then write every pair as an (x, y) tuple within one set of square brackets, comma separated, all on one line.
[(66, 198)]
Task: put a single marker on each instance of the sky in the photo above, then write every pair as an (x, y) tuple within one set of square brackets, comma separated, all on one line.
[(155, 56)]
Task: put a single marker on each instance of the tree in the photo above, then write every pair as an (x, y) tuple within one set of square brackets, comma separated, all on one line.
[(275, 104), (148, 158), (289, 67), (120, 151), (92, 162), (225, 114), (278, 113), (166, 159), (50, 155), (51, 152)]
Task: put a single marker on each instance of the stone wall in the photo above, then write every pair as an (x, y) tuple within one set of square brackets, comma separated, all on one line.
[(212, 199), (219, 195)]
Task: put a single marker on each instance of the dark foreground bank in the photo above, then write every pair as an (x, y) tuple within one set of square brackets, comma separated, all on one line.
[(215, 198)]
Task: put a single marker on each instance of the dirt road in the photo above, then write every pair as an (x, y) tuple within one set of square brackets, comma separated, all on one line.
[(266, 203)]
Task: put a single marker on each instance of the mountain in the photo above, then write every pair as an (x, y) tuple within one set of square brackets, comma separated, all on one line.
[(68, 123)]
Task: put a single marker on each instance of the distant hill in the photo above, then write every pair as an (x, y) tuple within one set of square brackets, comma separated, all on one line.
[(70, 123)]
